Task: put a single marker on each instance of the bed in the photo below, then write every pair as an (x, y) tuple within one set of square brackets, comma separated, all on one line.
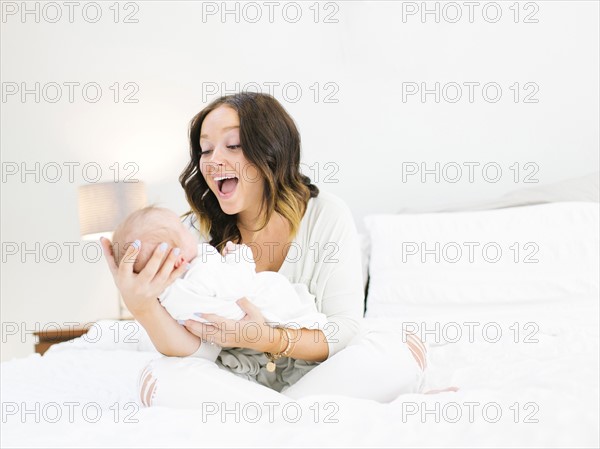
[(520, 341)]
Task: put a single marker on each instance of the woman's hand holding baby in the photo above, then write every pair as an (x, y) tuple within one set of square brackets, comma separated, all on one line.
[(250, 332), (140, 291)]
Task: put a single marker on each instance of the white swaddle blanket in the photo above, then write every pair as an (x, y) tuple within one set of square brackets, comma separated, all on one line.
[(214, 283)]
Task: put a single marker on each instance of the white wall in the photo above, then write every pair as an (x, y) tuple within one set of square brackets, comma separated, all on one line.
[(369, 53)]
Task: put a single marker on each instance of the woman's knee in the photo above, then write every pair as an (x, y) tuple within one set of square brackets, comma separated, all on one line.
[(417, 349), (186, 382), (386, 342), (156, 374), (147, 385)]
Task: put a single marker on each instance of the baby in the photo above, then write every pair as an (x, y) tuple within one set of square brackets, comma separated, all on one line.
[(214, 282)]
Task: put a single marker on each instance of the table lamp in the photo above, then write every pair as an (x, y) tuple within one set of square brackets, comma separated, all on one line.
[(102, 206)]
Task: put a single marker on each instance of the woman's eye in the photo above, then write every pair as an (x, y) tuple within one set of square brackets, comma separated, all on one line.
[(230, 147)]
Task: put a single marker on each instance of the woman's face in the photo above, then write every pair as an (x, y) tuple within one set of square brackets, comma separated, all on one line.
[(235, 181)]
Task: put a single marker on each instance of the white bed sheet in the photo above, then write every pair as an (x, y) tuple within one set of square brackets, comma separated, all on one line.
[(553, 381)]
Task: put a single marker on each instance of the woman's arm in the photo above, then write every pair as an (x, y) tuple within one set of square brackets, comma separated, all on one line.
[(140, 293), (168, 336), (309, 344), (338, 277), (252, 332)]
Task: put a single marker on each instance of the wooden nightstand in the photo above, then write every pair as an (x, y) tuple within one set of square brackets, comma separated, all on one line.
[(50, 337)]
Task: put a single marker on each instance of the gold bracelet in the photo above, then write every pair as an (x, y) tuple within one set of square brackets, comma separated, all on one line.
[(285, 353), (290, 346)]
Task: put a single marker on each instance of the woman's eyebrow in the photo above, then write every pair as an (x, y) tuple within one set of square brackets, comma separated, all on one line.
[(226, 128)]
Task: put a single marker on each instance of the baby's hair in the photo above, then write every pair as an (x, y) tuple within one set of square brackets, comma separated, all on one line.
[(138, 225)]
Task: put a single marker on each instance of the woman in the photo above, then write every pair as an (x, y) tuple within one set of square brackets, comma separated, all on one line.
[(243, 184)]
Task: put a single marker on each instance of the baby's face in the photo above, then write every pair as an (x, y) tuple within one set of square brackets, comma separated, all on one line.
[(189, 243)]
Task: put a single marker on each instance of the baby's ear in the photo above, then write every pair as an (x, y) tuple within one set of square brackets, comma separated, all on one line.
[(179, 261), (229, 247)]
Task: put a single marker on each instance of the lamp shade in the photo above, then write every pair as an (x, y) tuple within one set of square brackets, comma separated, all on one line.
[(102, 206)]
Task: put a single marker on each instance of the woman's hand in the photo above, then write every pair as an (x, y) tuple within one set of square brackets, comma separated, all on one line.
[(139, 291), (250, 332)]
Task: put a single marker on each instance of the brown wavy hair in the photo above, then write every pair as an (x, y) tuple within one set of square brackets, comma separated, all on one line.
[(271, 142)]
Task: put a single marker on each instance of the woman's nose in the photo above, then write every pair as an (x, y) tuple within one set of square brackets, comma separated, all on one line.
[(212, 162)]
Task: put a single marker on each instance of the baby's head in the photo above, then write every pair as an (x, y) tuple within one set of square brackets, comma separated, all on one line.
[(153, 226)]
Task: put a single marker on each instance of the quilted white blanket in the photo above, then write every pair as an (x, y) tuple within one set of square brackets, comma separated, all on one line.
[(527, 376)]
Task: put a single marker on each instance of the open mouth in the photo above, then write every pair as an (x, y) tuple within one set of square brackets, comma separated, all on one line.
[(226, 185)]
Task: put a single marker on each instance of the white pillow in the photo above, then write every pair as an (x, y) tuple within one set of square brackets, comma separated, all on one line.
[(533, 253), (584, 188)]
